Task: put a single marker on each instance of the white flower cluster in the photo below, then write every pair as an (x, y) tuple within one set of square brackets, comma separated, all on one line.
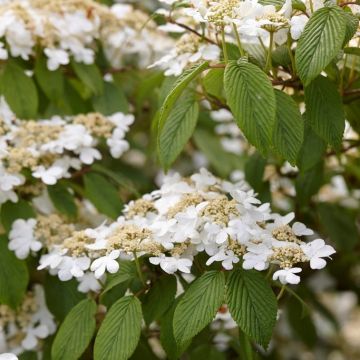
[(51, 149), (244, 22), (74, 28), (24, 329), (187, 216)]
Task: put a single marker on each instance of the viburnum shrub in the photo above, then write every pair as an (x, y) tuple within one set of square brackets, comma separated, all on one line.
[(174, 175)]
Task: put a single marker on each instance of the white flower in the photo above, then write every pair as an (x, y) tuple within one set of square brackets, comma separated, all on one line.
[(48, 176), (9, 181), (33, 334), (287, 276), (257, 257), (52, 260), (56, 57), (227, 258), (300, 229), (8, 356), (88, 282), (106, 263), (73, 267), (297, 25), (22, 238), (172, 264), (315, 251)]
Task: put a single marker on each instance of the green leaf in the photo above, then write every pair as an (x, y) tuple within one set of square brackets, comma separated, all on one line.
[(50, 82), (213, 82), (61, 296), (20, 91), (251, 98), (62, 199), (302, 326), (176, 90), (127, 271), (112, 100), (308, 183), (103, 195), (289, 127), (198, 306), (120, 331), (252, 304), (320, 42), (178, 128), (90, 75), (352, 23), (75, 332), (12, 211), (312, 150), (14, 276), (324, 110), (168, 342), (159, 298), (340, 224)]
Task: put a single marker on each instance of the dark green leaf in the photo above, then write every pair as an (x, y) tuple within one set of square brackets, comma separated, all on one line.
[(112, 100), (75, 332), (251, 98), (178, 128), (61, 296), (198, 306), (14, 276), (19, 91), (120, 331), (252, 304), (159, 298), (12, 211), (320, 42), (62, 199), (324, 110), (103, 195), (289, 127), (339, 223)]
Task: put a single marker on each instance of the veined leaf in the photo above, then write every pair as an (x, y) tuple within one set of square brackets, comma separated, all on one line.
[(75, 332), (324, 110), (289, 127), (20, 91), (179, 86), (320, 42), (178, 128), (198, 306), (14, 276), (252, 304), (120, 331), (251, 98)]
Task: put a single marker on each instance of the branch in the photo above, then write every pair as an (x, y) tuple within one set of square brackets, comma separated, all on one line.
[(188, 28)]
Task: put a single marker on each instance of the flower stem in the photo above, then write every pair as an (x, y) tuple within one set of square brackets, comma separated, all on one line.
[(242, 53), (138, 269), (226, 57), (281, 293), (291, 55), (268, 59)]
